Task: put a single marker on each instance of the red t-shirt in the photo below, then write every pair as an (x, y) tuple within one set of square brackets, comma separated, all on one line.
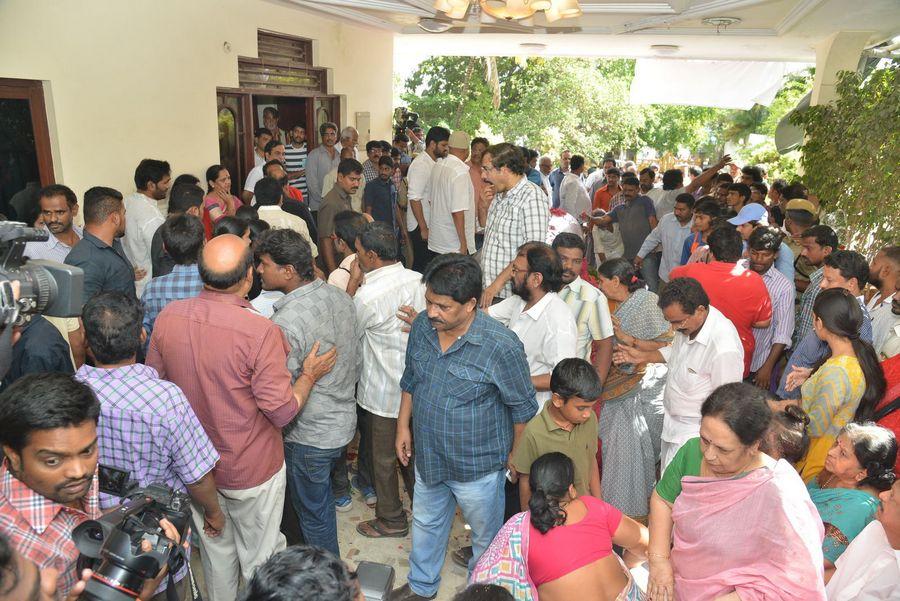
[(738, 292), (564, 549), (891, 421)]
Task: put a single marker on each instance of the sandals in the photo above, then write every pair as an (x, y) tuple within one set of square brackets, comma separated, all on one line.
[(376, 529)]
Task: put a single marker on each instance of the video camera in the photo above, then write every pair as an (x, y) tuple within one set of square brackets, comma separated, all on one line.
[(112, 545), (45, 287), (404, 119)]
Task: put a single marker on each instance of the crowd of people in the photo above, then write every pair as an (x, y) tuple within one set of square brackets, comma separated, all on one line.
[(605, 370)]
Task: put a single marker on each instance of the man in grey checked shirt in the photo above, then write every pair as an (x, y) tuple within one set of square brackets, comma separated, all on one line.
[(147, 426), (311, 313), (518, 214)]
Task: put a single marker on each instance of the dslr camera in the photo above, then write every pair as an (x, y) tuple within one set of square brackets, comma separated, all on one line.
[(114, 545)]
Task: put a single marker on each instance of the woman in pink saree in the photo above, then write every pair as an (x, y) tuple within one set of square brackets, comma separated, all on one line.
[(744, 526)]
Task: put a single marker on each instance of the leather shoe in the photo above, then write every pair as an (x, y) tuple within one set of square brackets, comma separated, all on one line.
[(404, 593), (462, 556)]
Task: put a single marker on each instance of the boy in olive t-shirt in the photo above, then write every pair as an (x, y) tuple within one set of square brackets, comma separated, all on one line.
[(568, 425)]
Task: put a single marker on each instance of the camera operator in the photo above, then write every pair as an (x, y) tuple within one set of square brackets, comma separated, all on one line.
[(147, 422), (48, 481)]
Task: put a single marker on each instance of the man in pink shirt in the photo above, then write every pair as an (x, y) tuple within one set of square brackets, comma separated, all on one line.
[(231, 363)]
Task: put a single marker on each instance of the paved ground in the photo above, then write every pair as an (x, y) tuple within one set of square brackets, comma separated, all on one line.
[(391, 551)]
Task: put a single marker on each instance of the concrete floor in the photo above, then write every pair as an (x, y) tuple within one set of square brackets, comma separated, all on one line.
[(390, 551), (395, 551)]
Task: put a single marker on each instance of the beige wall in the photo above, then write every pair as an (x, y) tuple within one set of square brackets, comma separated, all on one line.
[(129, 79)]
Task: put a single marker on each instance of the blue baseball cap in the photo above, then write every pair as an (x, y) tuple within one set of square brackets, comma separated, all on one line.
[(751, 212)]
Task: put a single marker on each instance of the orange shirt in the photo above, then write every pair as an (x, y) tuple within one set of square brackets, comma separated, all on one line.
[(602, 198)]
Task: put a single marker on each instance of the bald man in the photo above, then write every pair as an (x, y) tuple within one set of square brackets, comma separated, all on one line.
[(231, 363)]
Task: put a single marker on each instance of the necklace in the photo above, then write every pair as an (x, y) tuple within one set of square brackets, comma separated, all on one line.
[(828, 482)]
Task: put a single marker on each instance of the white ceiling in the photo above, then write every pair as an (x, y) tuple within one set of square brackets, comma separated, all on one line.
[(779, 30)]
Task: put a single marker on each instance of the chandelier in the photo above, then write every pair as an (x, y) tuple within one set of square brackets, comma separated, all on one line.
[(512, 10)]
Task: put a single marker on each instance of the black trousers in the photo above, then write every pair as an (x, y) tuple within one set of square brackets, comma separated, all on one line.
[(421, 255)]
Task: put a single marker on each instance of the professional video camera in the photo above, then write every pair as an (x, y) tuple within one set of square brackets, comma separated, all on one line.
[(44, 286), (112, 545), (404, 119)]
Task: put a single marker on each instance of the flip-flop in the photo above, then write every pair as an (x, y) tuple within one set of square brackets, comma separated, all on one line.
[(375, 529)]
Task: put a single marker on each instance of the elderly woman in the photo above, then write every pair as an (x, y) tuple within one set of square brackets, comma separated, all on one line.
[(631, 419), (720, 481), (857, 469), (562, 548), (847, 386)]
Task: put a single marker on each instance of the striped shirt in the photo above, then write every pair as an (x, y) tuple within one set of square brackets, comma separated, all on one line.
[(295, 160), (804, 313), (516, 216), (591, 311), (383, 341), (781, 291), (52, 249)]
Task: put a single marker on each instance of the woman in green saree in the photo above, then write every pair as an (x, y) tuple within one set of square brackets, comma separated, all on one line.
[(857, 467)]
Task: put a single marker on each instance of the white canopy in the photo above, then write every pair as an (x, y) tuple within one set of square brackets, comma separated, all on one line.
[(720, 84)]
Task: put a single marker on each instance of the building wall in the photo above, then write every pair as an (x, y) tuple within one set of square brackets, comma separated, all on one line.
[(125, 80)]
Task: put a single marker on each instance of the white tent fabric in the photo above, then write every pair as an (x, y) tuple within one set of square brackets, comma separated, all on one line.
[(720, 84)]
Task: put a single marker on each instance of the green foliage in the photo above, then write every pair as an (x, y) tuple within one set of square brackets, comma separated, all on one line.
[(580, 104), (778, 166), (851, 153)]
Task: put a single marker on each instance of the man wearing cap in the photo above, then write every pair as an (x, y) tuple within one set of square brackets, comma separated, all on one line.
[(451, 228), (748, 219), (799, 215)]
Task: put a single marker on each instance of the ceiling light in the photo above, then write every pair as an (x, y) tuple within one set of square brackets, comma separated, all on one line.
[(665, 48), (434, 25), (568, 8), (510, 10), (720, 23), (533, 46)]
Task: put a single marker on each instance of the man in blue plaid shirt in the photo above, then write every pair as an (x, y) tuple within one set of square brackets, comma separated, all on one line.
[(147, 427), (183, 238), (466, 397)]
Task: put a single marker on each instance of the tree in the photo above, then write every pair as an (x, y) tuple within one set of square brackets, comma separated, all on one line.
[(850, 156)]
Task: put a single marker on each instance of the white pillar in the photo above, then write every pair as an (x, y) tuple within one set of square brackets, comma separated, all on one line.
[(838, 52)]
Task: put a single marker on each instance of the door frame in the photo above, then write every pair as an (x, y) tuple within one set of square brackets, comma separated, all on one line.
[(33, 91), (245, 125)]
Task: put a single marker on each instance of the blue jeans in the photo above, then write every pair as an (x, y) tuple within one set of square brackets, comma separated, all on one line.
[(650, 271), (309, 477), (434, 508)]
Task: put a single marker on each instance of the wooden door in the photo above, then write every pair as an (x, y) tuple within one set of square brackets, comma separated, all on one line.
[(26, 162)]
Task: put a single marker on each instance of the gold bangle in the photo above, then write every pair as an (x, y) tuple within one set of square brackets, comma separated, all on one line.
[(660, 555)]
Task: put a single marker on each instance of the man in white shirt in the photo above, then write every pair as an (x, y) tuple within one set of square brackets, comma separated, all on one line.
[(869, 569), (452, 225), (386, 286), (707, 352), (539, 317), (347, 227), (152, 179), (349, 139), (573, 197), (437, 145), (545, 166), (269, 196), (274, 152)]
